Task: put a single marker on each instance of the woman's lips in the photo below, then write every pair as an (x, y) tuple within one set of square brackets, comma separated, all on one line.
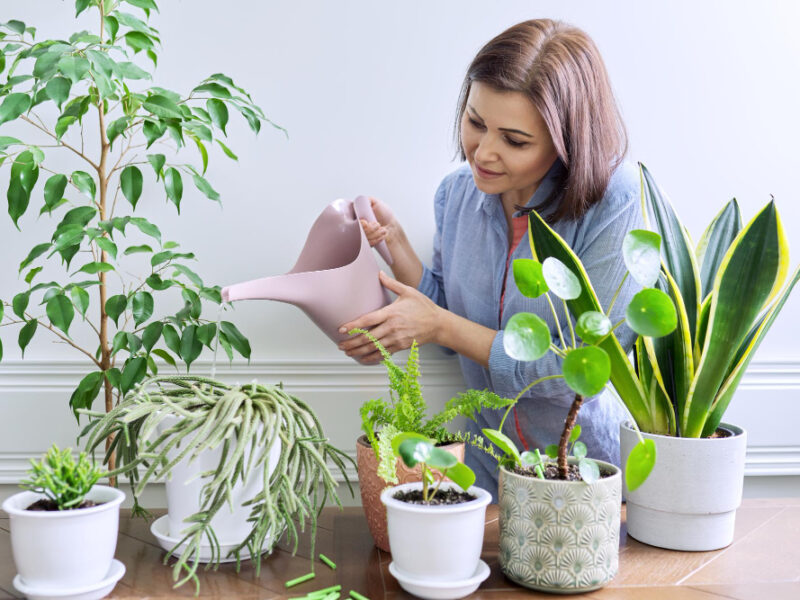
[(486, 174)]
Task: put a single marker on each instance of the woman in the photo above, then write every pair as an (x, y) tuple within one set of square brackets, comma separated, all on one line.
[(539, 128)]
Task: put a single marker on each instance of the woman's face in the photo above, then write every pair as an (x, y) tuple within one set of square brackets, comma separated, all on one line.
[(506, 143)]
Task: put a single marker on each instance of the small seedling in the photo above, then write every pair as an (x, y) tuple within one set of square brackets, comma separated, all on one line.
[(63, 480)]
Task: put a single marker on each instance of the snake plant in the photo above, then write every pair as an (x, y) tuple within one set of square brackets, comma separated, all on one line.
[(241, 420), (727, 291)]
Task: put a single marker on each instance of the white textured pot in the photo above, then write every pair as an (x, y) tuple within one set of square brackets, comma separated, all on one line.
[(560, 536), (68, 549), (183, 492), (436, 543), (689, 501)]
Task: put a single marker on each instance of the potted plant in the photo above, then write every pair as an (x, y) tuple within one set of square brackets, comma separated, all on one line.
[(64, 528), (118, 264), (381, 421), (246, 463), (559, 521), (728, 292), (435, 527)]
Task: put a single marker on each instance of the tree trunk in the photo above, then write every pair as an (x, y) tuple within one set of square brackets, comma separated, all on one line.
[(564, 441)]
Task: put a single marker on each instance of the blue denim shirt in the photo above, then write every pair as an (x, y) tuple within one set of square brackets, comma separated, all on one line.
[(466, 277)]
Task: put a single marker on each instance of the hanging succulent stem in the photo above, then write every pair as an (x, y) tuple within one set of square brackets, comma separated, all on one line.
[(245, 422), (563, 467)]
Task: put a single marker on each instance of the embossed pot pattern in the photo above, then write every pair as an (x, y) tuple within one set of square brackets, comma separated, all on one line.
[(371, 486), (560, 536)]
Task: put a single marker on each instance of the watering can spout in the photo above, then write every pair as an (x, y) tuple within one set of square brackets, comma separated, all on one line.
[(335, 279)]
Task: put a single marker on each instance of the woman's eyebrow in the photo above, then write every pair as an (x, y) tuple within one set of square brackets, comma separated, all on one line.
[(506, 129)]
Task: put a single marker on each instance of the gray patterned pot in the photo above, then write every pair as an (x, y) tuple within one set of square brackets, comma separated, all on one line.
[(560, 536)]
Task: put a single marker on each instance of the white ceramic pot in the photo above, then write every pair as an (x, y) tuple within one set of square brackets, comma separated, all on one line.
[(560, 536), (62, 550), (689, 501), (183, 487), (436, 543)]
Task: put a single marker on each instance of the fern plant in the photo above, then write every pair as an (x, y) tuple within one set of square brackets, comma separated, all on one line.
[(406, 409)]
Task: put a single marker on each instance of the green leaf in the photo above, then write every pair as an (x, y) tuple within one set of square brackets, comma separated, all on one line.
[(131, 181), (640, 463), (6, 141), (587, 370), (214, 89), (414, 451), (560, 279), (35, 253), (579, 450), (641, 251), (19, 303), (85, 183), (206, 333), (32, 273), (138, 41), (575, 433), (203, 154), (84, 395), (57, 89), (172, 339), (461, 475), (18, 200), (120, 342), (218, 112), (73, 67), (165, 356), (106, 244), (137, 249), (191, 275), (93, 268), (157, 161), (134, 371), (129, 70), (552, 450), (26, 334), (153, 130), (60, 312), (651, 313), (81, 5), (13, 106), (151, 334), (133, 342), (54, 190), (589, 470), (116, 128), (63, 124), (16, 26), (146, 227), (174, 186), (237, 340), (80, 298), (526, 337), (190, 345), (408, 435), (205, 187), (503, 442), (142, 304), (441, 459), (112, 25), (46, 64), (158, 284), (592, 326), (228, 152), (529, 277), (115, 306), (162, 107), (145, 5), (716, 240)]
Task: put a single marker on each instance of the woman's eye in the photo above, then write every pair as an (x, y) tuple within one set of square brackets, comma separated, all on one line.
[(514, 143), (475, 123)]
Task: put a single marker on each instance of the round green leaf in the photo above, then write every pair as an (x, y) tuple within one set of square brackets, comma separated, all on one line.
[(652, 313), (579, 450), (174, 186), (529, 277), (461, 475), (413, 451), (13, 106), (142, 304), (592, 326), (131, 183), (441, 459), (560, 279), (589, 470), (641, 251), (526, 337), (407, 435), (551, 450), (218, 112), (587, 370), (640, 463)]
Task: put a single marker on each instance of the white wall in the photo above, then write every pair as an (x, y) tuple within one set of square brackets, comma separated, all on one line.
[(367, 92)]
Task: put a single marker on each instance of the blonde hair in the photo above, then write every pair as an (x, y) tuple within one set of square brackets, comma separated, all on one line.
[(560, 70)]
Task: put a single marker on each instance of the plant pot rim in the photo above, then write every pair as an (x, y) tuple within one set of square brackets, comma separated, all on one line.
[(614, 470), (483, 498), (363, 441), (27, 497), (735, 431)]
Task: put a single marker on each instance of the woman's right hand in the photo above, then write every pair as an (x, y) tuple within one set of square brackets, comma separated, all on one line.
[(381, 229)]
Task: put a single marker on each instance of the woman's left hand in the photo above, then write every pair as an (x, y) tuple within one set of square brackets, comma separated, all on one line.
[(412, 316)]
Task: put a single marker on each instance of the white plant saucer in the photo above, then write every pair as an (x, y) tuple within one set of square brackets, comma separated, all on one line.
[(160, 529), (98, 590), (441, 590)]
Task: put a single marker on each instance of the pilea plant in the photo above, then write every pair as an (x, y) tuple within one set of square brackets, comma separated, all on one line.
[(586, 367), (191, 415), (62, 479), (88, 86), (405, 412)]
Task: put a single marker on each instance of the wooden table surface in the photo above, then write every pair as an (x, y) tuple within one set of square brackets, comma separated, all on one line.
[(763, 563)]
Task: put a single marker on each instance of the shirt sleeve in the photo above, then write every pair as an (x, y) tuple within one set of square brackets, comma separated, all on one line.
[(432, 284), (601, 255)]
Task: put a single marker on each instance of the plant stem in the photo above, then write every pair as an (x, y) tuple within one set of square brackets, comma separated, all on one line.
[(569, 322), (563, 469), (510, 406), (555, 317), (52, 135), (614, 299)]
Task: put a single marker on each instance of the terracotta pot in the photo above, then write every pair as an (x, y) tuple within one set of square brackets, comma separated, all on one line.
[(371, 485)]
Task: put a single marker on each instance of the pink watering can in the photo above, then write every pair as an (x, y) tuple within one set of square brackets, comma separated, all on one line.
[(335, 280)]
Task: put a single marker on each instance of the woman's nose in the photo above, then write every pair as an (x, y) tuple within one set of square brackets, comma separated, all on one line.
[(486, 150)]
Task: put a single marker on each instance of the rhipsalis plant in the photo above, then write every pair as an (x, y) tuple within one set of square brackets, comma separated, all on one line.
[(61, 478), (406, 411), (118, 265), (191, 415), (586, 367)]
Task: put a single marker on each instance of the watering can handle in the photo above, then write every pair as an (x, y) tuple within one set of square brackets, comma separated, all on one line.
[(364, 211)]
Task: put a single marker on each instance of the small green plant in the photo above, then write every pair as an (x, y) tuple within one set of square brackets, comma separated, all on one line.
[(63, 480), (406, 411), (415, 449)]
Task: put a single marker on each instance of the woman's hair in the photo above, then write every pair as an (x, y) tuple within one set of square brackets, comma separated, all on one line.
[(559, 69)]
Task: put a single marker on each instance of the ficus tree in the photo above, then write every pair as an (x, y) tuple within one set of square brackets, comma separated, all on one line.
[(118, 266)]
